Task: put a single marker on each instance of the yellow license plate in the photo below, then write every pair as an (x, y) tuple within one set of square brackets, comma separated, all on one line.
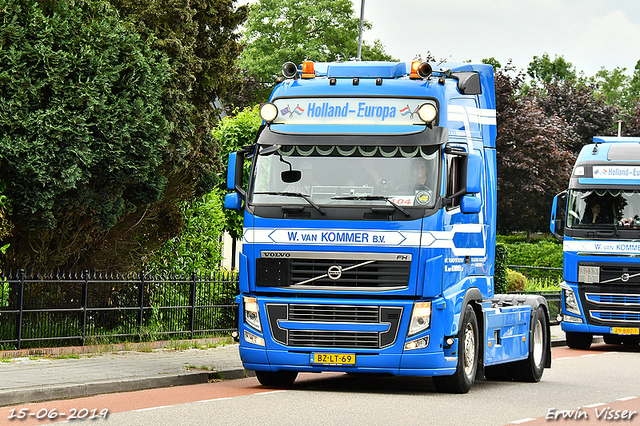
[(334, 359), (625, 330)]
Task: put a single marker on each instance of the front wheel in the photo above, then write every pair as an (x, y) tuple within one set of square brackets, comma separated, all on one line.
[(280, 378), (468, 353), (578, 340)]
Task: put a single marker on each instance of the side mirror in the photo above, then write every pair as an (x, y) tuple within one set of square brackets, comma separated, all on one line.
[(470, 204), (233, 201), (235, 169), (474, 174), (556, 224)]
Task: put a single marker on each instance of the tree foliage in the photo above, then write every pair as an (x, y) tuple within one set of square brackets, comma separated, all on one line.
[(545, 70), (82, 130), (534, 162), (106, 123), (234, 133), (278, 31)]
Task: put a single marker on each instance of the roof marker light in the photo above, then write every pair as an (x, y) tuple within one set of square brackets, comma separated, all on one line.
[(420, 70)]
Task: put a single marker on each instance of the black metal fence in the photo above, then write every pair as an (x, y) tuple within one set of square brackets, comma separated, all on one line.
[(85, 308)]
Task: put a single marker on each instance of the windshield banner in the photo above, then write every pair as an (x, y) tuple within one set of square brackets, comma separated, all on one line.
[(349, 111), (614, 247), (616, 172)]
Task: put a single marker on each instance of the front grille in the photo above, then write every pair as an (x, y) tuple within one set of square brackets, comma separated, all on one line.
[(610, 273), (314, 324), (614, 299), (616, 316), (610, 304), (375, 274), (339, 271), (334, 313), (333, 339)]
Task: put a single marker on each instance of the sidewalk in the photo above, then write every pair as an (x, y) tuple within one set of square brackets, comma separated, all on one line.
[(25, 379)]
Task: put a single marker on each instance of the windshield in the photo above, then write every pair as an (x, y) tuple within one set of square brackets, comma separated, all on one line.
[(603, 208), (347, 176)]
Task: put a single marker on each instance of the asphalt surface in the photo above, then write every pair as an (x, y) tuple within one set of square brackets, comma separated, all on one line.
[(29, 376)]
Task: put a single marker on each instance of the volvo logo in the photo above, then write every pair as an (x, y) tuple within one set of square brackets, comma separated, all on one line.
[(625, 277), (334, 272), (275, 254)]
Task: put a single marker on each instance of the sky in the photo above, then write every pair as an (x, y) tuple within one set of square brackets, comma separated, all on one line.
[(590, 34)]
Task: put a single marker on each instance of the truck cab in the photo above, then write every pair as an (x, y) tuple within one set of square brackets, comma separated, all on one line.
[(369, 229), (601, 243)]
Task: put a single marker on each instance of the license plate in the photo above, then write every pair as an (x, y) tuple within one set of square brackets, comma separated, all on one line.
[(625, 330), (334, 359)]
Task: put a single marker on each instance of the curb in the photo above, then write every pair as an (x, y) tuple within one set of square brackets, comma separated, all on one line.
[(114, 347), (51, 393)]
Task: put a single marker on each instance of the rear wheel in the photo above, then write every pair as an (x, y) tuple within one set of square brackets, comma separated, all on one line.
[(531, 369), (578, 340), (468, 348), (280, 378)]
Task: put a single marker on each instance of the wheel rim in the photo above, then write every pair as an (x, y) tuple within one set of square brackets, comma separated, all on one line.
[(538, 343), (469, 350)]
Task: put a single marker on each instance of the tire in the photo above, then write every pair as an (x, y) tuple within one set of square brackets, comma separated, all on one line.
[(468, 357), (280, 378), (578, 340), (531, 369)]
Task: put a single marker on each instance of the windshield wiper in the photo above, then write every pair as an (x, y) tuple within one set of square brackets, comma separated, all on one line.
[(295, 194), (372, 198)]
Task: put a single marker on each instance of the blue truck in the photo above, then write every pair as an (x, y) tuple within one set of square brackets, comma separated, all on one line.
[(370, 226), (598, 220)]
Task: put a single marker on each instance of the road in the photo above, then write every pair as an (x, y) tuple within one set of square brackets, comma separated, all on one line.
[(591, 387)]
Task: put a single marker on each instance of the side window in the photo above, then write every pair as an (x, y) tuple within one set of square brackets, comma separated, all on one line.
[(455, 179)]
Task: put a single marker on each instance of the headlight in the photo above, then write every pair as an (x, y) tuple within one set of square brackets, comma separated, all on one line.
[(570, 301), (420, 317), (251, 313), (268, 112), (427, 113)]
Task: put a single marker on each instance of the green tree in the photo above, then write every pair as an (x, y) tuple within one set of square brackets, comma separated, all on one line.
[(117, 110), (82, 131), (234, 133), (543, 69), (278, 31)]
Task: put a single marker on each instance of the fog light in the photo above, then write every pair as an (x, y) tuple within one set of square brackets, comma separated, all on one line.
[(423, 342), (574, 320), (252, 338)]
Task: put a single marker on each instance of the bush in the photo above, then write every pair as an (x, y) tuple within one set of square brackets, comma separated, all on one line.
[(516, 281), (500, 275)]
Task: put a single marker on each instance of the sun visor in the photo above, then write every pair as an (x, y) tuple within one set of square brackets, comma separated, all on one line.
[(353, 135)]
